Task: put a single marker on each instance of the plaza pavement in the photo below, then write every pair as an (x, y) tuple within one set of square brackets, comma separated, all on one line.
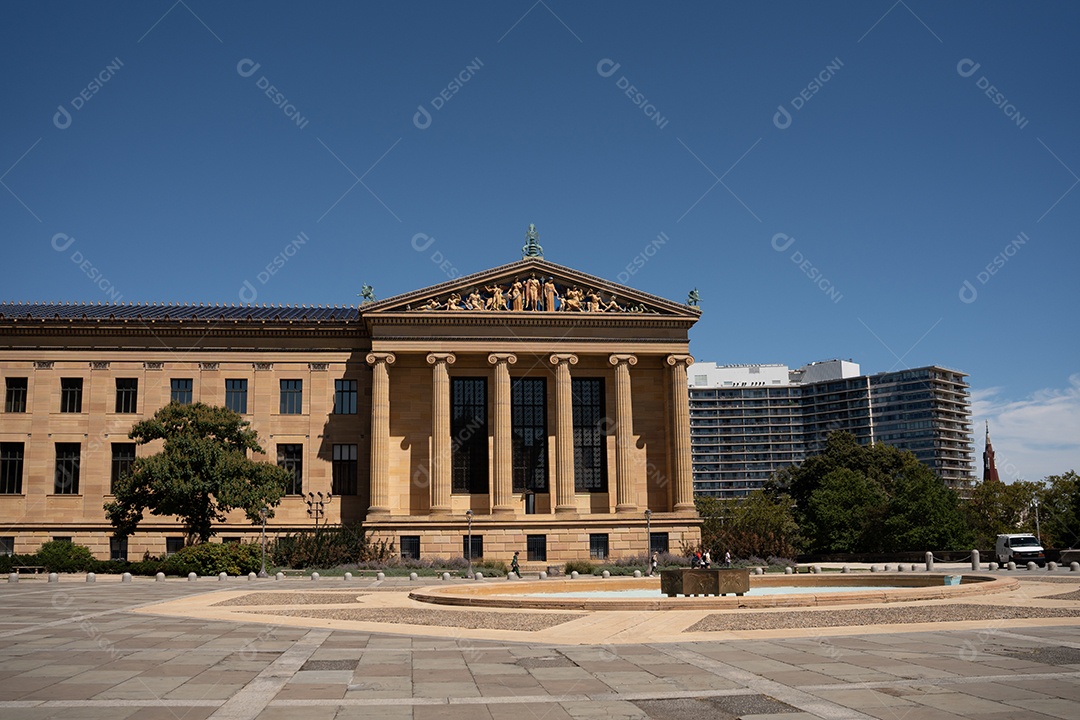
[(180, 650)]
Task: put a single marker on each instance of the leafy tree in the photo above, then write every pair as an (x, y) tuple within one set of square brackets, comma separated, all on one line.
[(996, 508), (869, 498), (924, 514), (1059, 510), (844, 513), (201, 473), (758, 524)]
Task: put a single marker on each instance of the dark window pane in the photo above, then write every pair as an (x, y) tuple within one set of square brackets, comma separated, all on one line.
[(658, 542), (590, 431), (410, 547), (127, 395), (536, 547), (180, 390), (598, 547), (123, 457), (71, 395), (469, 435), (291, 457), (236, 395), (15, 395), (118, 548), (477, 547), (528, 422), (11, 468), (344, 397), (344, 470), (66, 481), (292, 397)]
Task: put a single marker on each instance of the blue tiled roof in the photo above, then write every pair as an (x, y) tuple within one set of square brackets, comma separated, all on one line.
[(174, 311)]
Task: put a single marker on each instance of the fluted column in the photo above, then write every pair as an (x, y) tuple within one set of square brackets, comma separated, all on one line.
[(502, 497), (380, 432), (682, 462), (564, 434), (624, 435), (441, 459)]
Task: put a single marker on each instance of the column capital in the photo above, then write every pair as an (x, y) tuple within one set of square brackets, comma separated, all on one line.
[(686, 360), (496, 358), (374, 358), (616, 359), (448, 358), (558, 359)]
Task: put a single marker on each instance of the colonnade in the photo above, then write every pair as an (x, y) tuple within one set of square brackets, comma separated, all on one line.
[(682, 500)]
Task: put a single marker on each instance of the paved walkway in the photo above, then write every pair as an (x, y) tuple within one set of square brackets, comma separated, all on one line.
[(81, 651)]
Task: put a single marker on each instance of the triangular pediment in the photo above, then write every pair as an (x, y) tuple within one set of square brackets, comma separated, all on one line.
[(531, 286)]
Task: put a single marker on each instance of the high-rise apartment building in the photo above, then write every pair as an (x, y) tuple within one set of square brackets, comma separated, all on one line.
[(748, 421)]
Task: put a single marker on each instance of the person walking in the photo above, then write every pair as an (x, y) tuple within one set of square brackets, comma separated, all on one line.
[(652, 565), (727, 558), (706, 560), (514, 566)]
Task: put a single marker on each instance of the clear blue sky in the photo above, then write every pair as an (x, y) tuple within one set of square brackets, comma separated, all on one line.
[(828, 175)]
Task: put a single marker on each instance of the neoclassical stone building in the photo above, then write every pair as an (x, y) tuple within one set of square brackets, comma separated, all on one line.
[(543, 409)]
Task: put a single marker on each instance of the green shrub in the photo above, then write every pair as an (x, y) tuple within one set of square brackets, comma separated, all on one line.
[(329, 546), (490, 568), (61, 556), (9, 562), (583, 567), (214, 558)]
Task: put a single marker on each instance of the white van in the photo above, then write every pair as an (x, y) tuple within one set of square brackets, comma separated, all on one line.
[(1020, 548)]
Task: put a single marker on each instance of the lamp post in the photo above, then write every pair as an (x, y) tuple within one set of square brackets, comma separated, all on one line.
[(468, 548), (648, 539), (317, 508), (263, 512), (1038, 536)]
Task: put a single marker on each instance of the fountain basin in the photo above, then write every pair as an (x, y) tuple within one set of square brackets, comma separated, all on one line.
[(603, 594)]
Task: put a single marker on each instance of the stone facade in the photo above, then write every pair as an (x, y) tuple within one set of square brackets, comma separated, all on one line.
[(410, 356)]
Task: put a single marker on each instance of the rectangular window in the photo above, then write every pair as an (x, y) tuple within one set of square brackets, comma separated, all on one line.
[(127, 394), (118, 548), (469, 434), (62, 538), (658, 542), (528, 427), (180, 391), (344, 397), (590, 442), (292, 397), (291, 457), (236, 396), (598, 546), (71, 395), (536, 547), (173, 545), (7, 544), (343, 470), (66, 481), (11, 468), (15, 396), (410, 547), (123, 457), (477, 550)]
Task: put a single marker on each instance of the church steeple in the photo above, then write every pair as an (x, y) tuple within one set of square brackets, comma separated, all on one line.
[(990, 472)]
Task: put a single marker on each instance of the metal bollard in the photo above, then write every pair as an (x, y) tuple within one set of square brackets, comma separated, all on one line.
[(929, 562), (975, 560)]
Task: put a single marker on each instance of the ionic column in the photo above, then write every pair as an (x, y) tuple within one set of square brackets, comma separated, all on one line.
[(380, 432), (564, 434), (502, 497), (682, 461), (624, 435), (441, 459)]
